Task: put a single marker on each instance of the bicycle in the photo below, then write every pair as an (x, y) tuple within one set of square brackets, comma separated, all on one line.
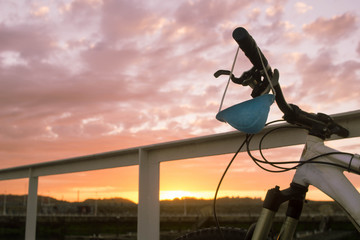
[(319, 165)]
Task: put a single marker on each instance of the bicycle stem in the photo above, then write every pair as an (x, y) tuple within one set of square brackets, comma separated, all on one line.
[(319, 125)]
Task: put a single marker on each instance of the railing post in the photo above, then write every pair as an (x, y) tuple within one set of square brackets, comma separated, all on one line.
[(31, 209), (149, 206)]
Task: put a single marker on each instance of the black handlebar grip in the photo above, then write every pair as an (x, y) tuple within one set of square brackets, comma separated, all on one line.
[(343, 132), (249, 47)]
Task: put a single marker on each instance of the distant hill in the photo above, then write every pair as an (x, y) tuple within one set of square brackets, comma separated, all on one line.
[(16, 205)]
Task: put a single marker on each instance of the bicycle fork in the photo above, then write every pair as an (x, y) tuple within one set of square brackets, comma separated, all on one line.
[(295, 195)]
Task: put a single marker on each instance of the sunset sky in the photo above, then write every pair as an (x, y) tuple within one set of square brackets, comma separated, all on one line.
[(79, 77)]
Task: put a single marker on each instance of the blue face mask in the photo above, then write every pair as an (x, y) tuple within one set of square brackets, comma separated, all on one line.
[(249, 116)]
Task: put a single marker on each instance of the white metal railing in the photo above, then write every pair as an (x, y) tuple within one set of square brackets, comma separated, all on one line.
[(149, 158)]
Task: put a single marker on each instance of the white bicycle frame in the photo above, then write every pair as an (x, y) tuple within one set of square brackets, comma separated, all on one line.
[(331, 179)]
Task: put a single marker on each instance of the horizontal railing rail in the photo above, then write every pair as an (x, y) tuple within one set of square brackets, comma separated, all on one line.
[(148, 158)]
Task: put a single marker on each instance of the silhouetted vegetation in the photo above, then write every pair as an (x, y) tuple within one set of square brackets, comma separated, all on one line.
[(16, 205), (118, 216)]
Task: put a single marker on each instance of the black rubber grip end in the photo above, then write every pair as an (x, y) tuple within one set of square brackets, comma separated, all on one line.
[(249, 47)]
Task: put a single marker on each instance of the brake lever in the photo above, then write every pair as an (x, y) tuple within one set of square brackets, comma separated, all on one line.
[(253, 79), (218, 73), (232, 77)]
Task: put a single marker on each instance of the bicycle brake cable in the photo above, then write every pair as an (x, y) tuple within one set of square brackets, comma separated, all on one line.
[(219, 184), (298, 163)]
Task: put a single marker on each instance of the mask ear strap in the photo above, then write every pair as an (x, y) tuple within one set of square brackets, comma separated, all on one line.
[(266, 73), (227, 85)]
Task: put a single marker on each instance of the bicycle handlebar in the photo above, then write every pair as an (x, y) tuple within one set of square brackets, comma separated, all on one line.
[(249, 47), (319, 124)]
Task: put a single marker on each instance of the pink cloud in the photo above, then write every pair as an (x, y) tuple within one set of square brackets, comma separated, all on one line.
[(18, 38), (123, 20), (275, 11), (326, 82), (333, 29)]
